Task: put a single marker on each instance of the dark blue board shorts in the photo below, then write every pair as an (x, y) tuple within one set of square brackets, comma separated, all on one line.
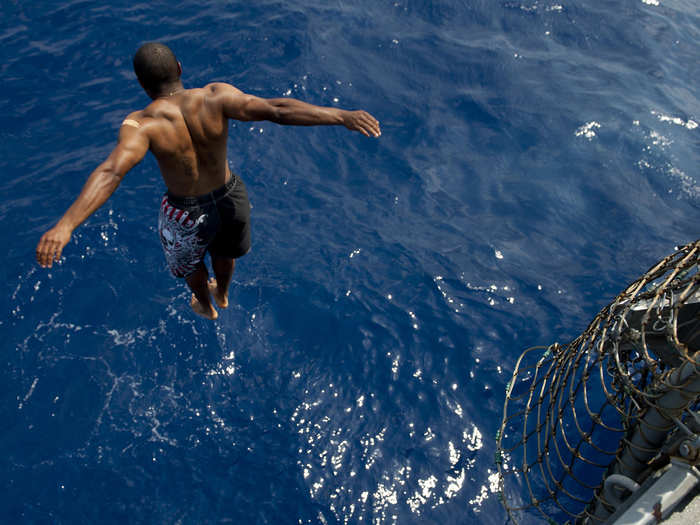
[(218, 222)]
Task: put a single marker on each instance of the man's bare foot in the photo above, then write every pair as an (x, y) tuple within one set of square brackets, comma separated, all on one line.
[(221, 298), (200, 310)]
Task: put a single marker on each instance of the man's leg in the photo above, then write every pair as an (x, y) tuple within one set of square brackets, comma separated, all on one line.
[(201, 301), (223, 272)]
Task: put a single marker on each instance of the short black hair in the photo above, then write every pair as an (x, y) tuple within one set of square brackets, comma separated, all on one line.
[(155, 65)]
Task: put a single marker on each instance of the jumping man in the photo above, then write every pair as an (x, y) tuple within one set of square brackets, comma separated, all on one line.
[(206, 207)]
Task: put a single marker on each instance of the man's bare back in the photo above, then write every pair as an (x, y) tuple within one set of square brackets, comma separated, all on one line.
[(187, 131)]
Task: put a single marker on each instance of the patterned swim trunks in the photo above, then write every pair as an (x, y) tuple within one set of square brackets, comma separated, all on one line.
[(218, 222)]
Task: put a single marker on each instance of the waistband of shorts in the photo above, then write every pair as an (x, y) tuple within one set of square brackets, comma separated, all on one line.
[(207, 198)]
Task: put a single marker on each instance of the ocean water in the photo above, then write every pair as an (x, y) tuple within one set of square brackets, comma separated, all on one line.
[(536, 157)]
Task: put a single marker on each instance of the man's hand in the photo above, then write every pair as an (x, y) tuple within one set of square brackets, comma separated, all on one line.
[(51, 245), (363, 122)]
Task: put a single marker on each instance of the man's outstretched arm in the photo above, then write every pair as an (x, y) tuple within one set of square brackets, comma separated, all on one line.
[(293, 112), (131, 148)]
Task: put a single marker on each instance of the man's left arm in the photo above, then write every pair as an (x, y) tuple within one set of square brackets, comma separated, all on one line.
[(130, 150), (289, 111)]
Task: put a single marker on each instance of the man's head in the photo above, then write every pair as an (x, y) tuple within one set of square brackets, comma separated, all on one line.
[(156, 68)]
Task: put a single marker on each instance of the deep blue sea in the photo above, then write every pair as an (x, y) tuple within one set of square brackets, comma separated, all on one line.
[(536, 156)]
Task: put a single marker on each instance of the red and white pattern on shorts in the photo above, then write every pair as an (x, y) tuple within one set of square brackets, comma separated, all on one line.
[(184, 249)]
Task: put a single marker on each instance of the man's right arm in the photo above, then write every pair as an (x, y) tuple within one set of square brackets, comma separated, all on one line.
[(291, 112), (132, 147)]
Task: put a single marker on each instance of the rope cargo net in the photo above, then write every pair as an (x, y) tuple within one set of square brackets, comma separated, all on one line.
[(616, 402)]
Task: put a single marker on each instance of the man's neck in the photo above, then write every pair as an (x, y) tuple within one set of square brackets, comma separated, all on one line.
[(169, 90)]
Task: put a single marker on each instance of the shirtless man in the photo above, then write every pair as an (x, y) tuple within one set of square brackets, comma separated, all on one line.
[(206, 206)]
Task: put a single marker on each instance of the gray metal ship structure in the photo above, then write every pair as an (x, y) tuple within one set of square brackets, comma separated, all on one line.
[(606, 429)]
